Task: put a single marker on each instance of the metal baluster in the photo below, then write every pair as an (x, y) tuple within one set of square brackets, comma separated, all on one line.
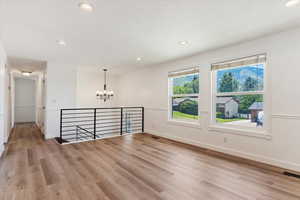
[(95, 119), (76, 133), (121, 128), (61, 113), (143, 119)]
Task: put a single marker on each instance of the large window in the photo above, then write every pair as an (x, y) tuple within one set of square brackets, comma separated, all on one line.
[(184, 95), (239, 92)]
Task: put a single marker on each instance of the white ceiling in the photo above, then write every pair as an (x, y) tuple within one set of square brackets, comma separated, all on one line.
[(27, 65), (119, 31)]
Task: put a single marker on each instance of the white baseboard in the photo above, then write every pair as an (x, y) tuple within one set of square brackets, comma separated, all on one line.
[(40, 128), (258, 158), (47, 137)]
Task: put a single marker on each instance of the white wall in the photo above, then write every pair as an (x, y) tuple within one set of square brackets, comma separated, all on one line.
[(12, 91), (91, 80), (149, 87), (8, 105), (40, 100), (61, 93), (2, 97), (25, 100)]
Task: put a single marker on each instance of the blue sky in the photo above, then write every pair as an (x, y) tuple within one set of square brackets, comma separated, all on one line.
[(180, 81), (240, 74)]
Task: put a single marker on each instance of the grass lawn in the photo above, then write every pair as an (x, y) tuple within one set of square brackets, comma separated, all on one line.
[(180, 115), (220, 120)]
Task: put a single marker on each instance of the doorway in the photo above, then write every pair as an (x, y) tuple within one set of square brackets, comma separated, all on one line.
[(25, 100), (27, 87)]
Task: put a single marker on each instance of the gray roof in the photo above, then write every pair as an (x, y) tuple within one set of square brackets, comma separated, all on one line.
[(223, 100), (176, 101), (257, 106)]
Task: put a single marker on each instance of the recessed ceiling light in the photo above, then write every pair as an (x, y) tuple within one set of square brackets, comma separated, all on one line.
[(26, 73), (85, 6), (292, 3), (138, 59), (183, 43), (61, 42)]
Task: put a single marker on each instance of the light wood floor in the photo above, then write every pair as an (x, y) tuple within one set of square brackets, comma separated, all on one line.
[(130, 167)]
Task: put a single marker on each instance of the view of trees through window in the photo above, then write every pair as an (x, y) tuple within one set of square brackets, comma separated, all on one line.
[(239, 99), (185, 97)]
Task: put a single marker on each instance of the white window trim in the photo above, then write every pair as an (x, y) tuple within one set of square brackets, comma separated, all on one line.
[(239, 93), (181, 122), (185, 95), (264, 132)]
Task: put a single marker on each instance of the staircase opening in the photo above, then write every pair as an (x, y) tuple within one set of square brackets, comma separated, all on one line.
[(83, 124)]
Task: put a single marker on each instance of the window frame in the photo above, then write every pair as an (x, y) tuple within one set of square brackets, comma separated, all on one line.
[(192, 122), (237, 129)]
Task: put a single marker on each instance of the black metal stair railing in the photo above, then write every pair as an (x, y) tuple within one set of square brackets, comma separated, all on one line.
[(83, 134), (95, 123)]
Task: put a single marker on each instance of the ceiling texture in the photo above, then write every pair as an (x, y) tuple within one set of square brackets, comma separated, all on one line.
[(27, 65), (118, 31)]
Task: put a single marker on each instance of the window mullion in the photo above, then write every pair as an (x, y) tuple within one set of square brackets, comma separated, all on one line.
[(185, 95), (238, 93)]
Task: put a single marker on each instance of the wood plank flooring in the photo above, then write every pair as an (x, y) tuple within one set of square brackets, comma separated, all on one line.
[(130, 167)]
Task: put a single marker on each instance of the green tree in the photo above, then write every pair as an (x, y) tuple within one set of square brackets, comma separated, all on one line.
[(245, 101), (228, 83), (250, 84), (179, 90), (189, 107), (195, 85), (188, 87)]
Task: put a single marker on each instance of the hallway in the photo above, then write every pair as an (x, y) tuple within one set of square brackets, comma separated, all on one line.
[(129, 167)]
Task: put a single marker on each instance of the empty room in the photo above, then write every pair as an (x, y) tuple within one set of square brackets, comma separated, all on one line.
[(150, 100)]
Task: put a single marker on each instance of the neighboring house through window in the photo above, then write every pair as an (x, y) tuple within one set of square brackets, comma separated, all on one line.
[(184, 95), (227, 105), (238, 92)]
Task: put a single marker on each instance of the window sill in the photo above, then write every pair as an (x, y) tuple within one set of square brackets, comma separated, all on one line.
[(263, 134), (185, 124)]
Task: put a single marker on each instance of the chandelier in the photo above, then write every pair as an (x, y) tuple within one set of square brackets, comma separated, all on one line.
[(104, 95)]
